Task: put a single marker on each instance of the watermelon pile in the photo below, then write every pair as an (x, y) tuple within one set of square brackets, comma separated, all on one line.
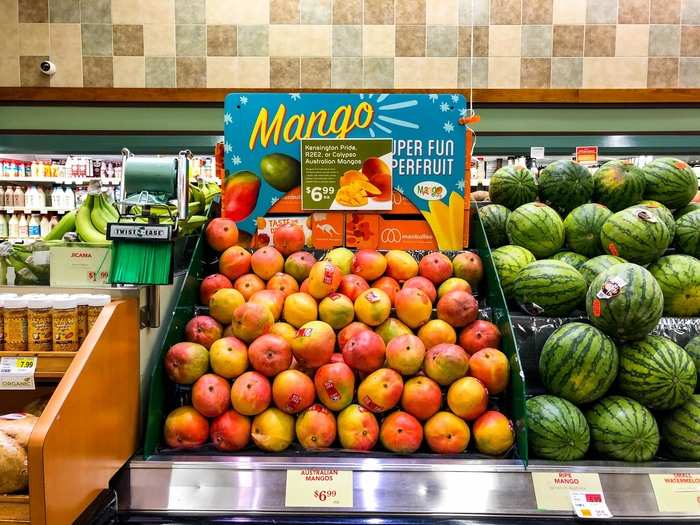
[(512, 186)]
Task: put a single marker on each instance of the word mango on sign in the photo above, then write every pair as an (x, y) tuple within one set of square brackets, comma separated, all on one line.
[(552, 489)]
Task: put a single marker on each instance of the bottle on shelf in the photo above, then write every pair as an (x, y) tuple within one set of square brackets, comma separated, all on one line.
[(29, 198), (18, 198), (68, 199), (4, 230), (9, 197), (34, 226), (23, 227), (44, 226), (40, 197), (2, 196), (53, 222), (13, 227)]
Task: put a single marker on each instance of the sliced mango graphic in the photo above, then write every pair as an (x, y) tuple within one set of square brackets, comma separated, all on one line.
[(351, 176)]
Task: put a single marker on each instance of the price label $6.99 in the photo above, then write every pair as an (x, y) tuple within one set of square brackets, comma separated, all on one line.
[(319, 487)]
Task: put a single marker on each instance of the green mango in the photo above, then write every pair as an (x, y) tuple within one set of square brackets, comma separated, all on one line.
[(281, 171)]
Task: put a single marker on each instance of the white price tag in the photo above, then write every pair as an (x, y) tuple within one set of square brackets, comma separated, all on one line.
[(537, 152), (319, 487), (590, 505), (17, 373)]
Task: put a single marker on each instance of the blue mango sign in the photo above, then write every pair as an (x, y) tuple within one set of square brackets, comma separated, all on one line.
[(263, 134)]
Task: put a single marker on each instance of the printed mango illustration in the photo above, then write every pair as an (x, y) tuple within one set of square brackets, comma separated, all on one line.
[(354, 188), (239, 195), (281, 171), (379, 174)]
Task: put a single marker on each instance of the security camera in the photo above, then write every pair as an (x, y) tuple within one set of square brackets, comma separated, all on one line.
[(47, 67)]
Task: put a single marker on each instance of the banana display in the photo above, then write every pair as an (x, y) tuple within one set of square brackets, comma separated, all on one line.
[(30, 262)]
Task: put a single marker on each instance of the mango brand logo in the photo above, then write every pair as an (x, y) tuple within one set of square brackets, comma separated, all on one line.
[(299, 126)]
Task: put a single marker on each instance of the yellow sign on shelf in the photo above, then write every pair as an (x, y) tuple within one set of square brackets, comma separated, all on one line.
[(552, 489), (677, 492), (319, 487)]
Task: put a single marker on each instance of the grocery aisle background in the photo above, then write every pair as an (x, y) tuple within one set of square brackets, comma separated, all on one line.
[(351, 43)]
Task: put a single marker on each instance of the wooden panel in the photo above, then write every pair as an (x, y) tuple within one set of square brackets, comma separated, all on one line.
[(14, 509), (90, 427), (216, 96)]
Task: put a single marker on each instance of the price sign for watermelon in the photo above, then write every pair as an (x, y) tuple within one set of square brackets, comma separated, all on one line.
[(319, 487), (17, 373), (677, 492), (552, 489)]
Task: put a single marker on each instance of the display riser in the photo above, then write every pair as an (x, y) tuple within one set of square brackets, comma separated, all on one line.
[(241, 485)]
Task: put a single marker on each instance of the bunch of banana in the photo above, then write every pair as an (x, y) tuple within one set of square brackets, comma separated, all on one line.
[(30, 261), (92, 218), (65, 225)]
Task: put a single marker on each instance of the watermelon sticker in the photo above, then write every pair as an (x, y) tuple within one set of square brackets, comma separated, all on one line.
[(596, 307), (612, 248), (646, 216), (611, 288)]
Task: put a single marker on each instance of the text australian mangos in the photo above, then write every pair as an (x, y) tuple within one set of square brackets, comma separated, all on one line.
[(421, 397), (230, 431), (357, 428), (203, 330), (251, 393), (314, 344), (364, 351), (186, 362), (221, 233), (381, 390), (401, 432), (185, 428), (335, 385), (316, 427)]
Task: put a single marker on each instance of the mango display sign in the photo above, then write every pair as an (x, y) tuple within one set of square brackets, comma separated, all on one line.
[(264, 132)]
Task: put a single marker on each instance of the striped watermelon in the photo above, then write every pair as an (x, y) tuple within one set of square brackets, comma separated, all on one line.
[(512, 186), (582, 228), (680, 430), (663, 213), (592, 267), (618, 184), (574, 259), (493, 218), (656, 372), (693, 349), (679, 279), (693, 206), (671, 182), (549, 288), (688, 233), (565, 184), (578, 362), (635, 234), (623, 429), (509, 260), (538, 228), (625, 302), (556, 429)]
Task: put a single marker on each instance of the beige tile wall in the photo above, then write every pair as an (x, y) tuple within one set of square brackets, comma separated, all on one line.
[(352, 43)]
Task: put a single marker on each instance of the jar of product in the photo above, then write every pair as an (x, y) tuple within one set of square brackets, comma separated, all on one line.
[(64, 323), (15, 324), (95, 305), (83, 300), (2, 317), (39, 323)]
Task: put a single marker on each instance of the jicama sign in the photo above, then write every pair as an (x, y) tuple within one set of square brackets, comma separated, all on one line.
[(264, 133)]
